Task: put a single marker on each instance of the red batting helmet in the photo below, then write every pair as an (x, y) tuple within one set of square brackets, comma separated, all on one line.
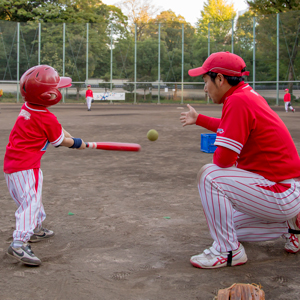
[(39, 82)]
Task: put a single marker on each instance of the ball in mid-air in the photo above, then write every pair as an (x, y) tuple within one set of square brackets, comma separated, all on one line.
[(152, 135)]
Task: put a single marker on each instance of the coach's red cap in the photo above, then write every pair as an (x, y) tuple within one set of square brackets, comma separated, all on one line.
[(88, 85), (286, 89), (225, 63)]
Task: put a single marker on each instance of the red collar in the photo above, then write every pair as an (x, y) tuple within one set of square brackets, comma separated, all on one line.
[(231, 90)]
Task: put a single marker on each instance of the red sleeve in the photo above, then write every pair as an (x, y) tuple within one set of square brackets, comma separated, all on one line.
[(53, 129), (236, 124), (86, 93), (209, 123), (224, 157)]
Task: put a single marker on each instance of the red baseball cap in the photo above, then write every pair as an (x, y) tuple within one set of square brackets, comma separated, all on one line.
[(225, 63), (88, 85), (286, 89)]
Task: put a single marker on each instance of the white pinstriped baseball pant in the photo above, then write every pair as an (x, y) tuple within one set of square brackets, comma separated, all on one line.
[(89, 102), (244, 206), (25, 188)]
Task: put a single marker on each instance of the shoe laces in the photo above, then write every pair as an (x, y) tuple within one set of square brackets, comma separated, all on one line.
[(27, 247), (294, 240)]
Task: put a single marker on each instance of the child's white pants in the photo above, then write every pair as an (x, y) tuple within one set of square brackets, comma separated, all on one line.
[(25, 188)]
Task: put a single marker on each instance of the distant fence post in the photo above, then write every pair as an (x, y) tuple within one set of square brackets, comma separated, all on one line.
[(39, 46), (158, 94), (254, 46), (277, 63), (208, 44), (135, 62), (18, 61), (111, 57), (232, 36), (87, 54), (182, 64), (64, 56)]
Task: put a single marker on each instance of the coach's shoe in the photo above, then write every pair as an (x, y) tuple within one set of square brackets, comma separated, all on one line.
[(292, 241), (41, 235), (211, 258), (24, 254)]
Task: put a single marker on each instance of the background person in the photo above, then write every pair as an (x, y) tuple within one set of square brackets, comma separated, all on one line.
[(287, 101), (89, 97), (251, 191)]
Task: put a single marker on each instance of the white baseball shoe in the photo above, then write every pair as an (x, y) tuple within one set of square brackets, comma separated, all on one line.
[(43, 234), (292, 241), (211, 258), (24, 254)]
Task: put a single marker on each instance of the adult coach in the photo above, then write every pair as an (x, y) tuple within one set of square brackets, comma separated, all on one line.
[(287, 101), (250, 192), (89, 97)]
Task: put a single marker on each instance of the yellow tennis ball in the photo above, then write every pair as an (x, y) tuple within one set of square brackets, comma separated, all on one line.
[(152, 135)]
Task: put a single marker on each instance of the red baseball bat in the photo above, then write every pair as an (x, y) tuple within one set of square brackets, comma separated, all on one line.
[(114, 146)]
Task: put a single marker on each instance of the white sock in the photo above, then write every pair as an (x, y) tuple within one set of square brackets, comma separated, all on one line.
[(17, 244)]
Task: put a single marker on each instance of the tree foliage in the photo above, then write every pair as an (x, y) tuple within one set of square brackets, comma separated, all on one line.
[(273, 6), (218, 13), (288, 36), (139, 13)]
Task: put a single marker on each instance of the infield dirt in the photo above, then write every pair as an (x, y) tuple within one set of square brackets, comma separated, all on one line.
[(137, 217)]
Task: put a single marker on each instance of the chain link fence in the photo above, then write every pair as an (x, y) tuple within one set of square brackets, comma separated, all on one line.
[(150, 62)]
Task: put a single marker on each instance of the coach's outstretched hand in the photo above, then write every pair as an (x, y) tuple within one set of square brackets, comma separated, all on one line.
[(190, 117)]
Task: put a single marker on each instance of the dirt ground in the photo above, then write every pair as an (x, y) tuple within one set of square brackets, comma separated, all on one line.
[(137, 216)]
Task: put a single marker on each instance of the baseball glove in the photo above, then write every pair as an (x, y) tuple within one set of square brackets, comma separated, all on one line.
[(1, 92), (93, 100), (241, 291)]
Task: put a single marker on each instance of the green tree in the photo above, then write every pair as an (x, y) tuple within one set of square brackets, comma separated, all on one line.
[(51, 14), (273, 6), (139, 13), (216, 19), (218, 13), (171, 41), (289, 34)]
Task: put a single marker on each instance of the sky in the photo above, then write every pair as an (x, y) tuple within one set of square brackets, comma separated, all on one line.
[(189, 9)]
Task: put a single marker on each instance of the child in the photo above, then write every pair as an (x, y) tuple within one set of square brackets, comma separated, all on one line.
[(287, 101), (89, 97), (34, 129)]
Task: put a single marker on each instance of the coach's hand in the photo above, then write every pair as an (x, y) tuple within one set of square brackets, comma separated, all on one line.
[(190, 117)]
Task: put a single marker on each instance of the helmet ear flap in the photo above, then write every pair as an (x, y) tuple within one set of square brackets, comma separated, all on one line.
[(45, 96)]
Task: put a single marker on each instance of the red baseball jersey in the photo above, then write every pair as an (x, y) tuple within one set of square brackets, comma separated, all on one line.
[(89, 93), (287, 97), (250, 128), (34, 129)]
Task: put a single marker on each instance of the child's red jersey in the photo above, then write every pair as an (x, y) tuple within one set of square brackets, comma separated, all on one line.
[(89, 93), (287, 97), (34, 129)]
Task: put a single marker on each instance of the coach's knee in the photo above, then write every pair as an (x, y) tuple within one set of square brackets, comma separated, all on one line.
[(204, 171)]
